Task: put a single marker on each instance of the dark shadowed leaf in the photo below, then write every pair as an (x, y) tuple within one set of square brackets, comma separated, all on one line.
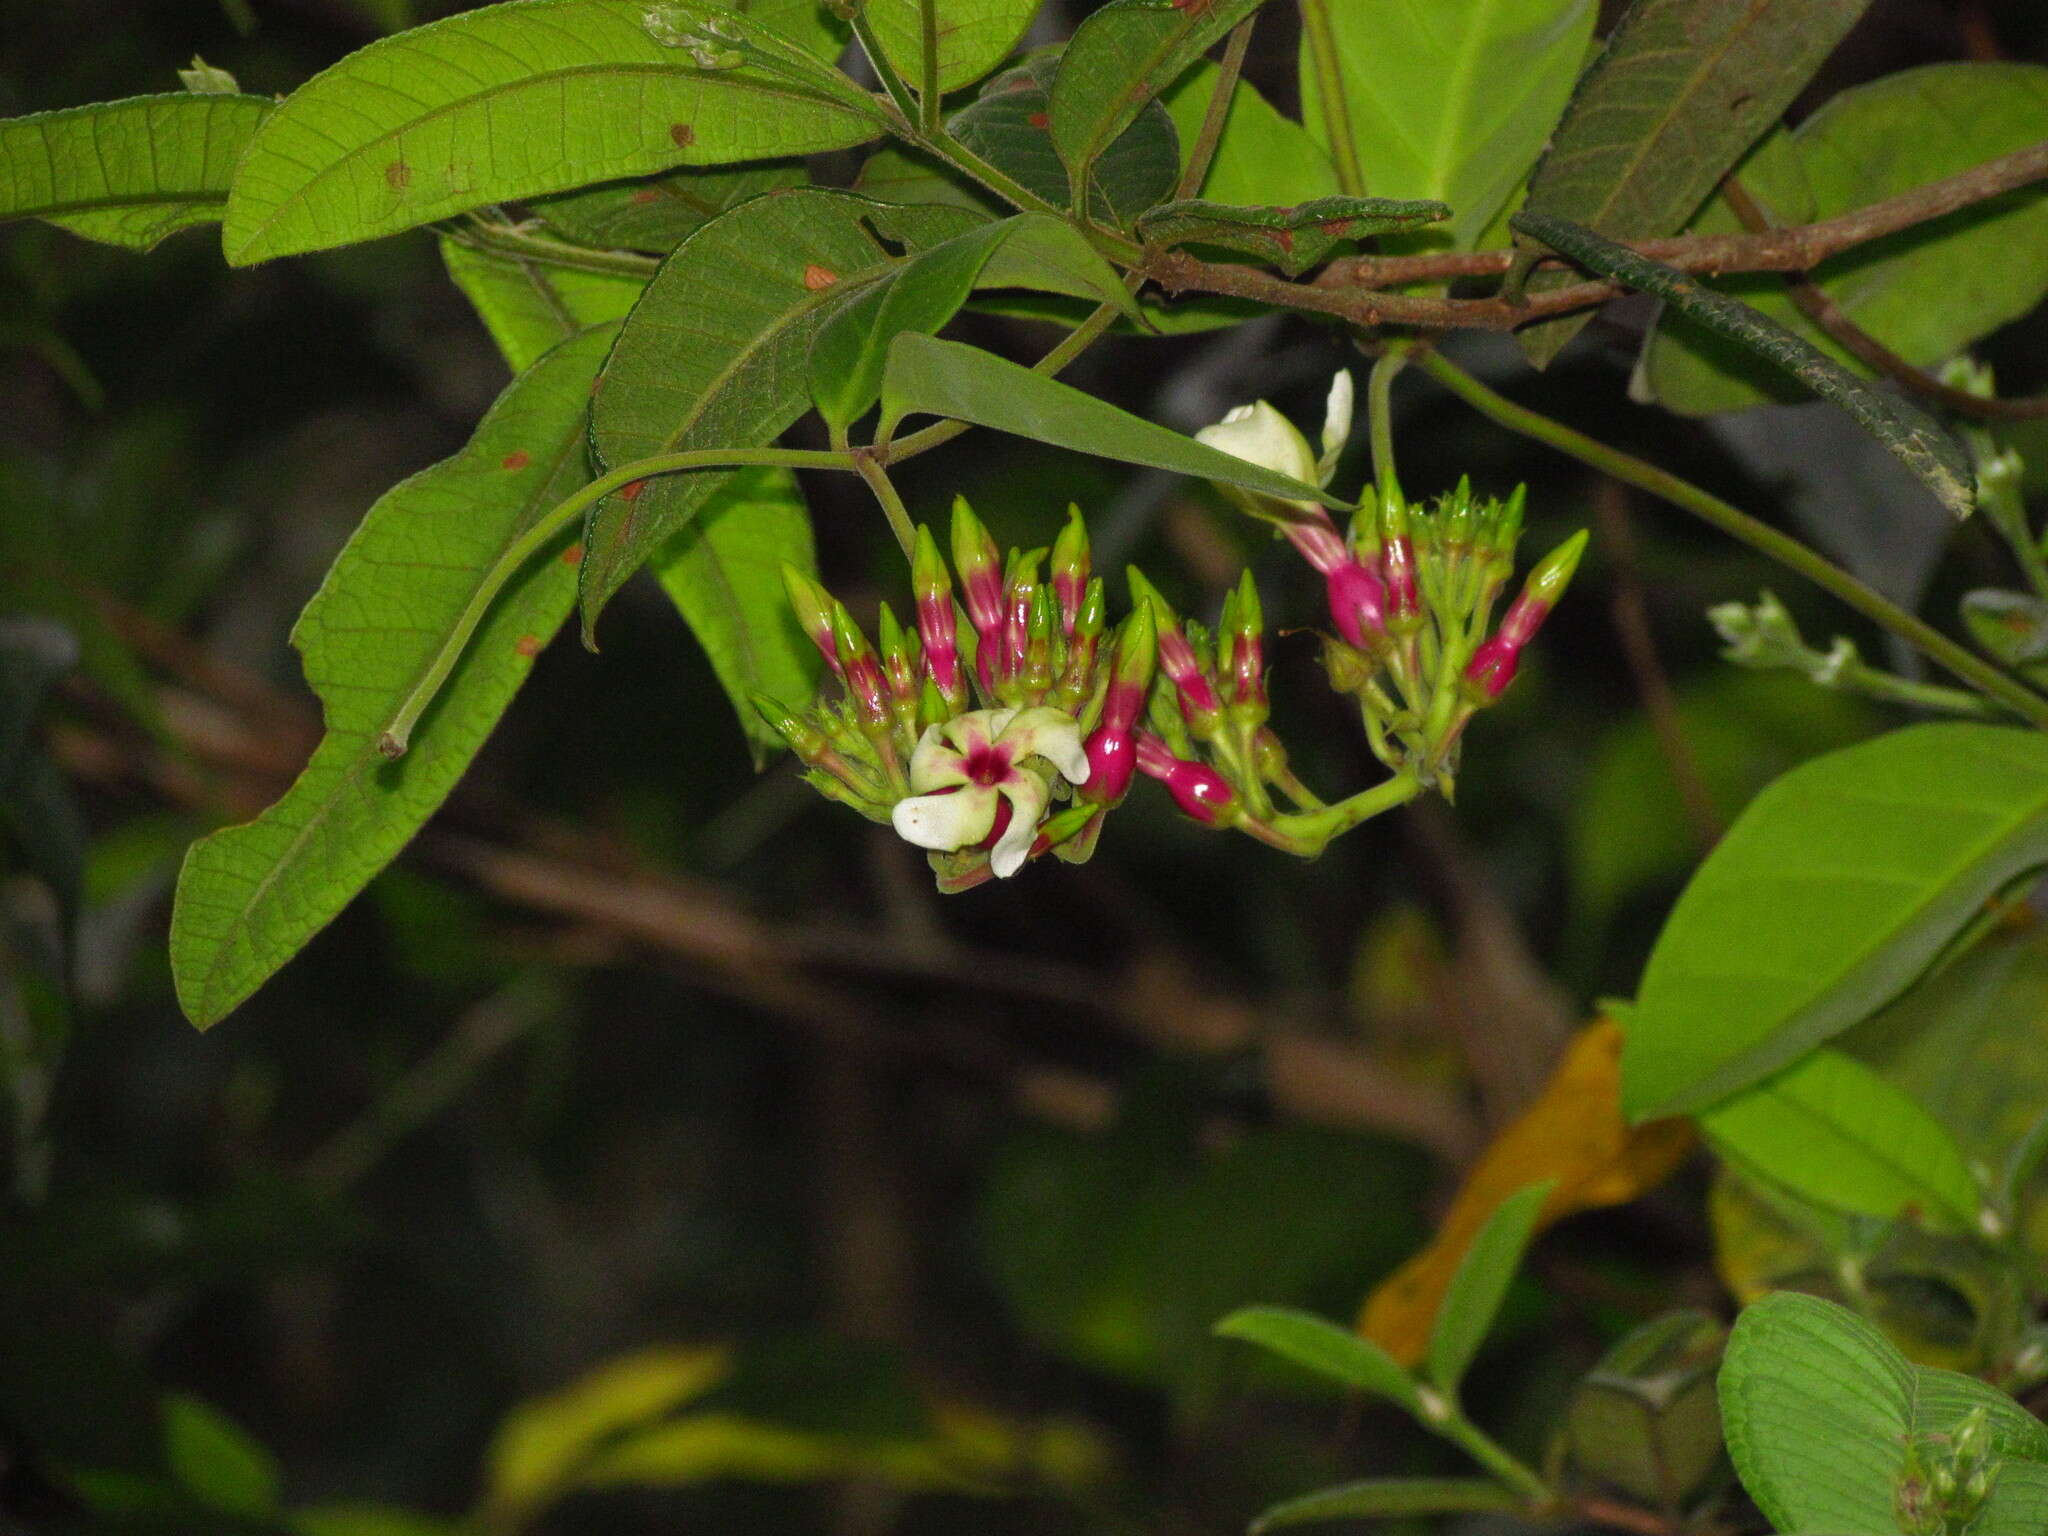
[(713, 356), (973, 36), (658, 213), (528, 306), (1682, 88), (1292, 239), (1914, 438), (1386, 1498)]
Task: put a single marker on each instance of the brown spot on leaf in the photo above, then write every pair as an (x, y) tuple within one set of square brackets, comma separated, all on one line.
[(527, 645), (682, 134), (1039, 120), (398, 175), (631, 490), (518, 458), (647, 195), (1284, 238), (573, 555), (817, 278)]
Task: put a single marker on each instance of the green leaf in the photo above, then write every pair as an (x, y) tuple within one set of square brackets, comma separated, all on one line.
[(1384, 1498), (1820, 1410), (1916, 439), (1319, 1345), (523, 98), (1682, 88), (528, 306), (364, 1520), (126, 172), (1450, 101), (974, 36), (1008, 125), (897, 174), (216, 1460), (1120, 60), (1292, 239), (1480, 1284), (1830, 1130), (658, 213), (723, 571), (1830, 893), (1262, 157), (713, 354), (1031, 250), (1926, 292), (251, 896), (927, 376)]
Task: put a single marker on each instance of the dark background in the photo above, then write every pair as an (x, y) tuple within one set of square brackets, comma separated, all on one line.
[(635, 1047)]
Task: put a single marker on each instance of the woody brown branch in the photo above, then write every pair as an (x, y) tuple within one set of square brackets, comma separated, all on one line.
[(1353, 289)]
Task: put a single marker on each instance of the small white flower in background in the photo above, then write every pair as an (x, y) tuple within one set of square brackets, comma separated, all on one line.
[(964, 769), (1259, 434)]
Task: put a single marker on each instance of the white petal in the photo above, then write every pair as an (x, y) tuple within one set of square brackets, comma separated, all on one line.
[(1260, 435), (1027, 795), (935, 764), (946, 822), (1052, 735), (1336, 425)]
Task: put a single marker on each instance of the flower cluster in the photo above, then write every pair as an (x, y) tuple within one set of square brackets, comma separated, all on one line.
[(966, 731), (1008, 730), (1411, 591)]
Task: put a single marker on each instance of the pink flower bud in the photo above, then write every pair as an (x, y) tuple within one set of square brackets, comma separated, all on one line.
[(1357, 604), (1199, 790), (1492, 668), (981, 575), (1112, 758)]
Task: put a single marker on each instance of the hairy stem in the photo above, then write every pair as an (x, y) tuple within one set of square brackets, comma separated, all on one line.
[(869, 468), (928, 106), (1217, 113), (1789, 552), (1320, 39)]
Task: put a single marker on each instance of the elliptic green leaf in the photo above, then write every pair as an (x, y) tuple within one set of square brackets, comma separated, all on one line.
[(713, 355), (1915, 438), (1292, 239), (523, 98), (1009, 126), (1262, 156), (723, 571), (251, 896), (973, 36), (1123, 58), (1820, 1410), (1927, 292), (528, 306), (927, 376), (1832, 1131), (1321, 1346), (658, 213), (1385, 1498), (1031, 250), (1829, 894), (126, 172), (1682, 88), (1450, 101), (1480, 1284)]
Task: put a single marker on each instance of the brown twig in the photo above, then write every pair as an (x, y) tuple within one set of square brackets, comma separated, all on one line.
[(1813, 302), (1351, 289)]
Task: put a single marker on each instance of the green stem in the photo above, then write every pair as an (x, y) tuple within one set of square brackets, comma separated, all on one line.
[(545, 530), (893, 83), (1931, 642), (1874, 683), (502, 238), (1321, 41), (928, 112), (1309, 832), (870, 469), (1490, 1454), (1379, 409), (1217, 113)]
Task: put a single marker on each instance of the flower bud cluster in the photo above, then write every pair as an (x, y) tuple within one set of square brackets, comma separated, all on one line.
[(1004, 697)]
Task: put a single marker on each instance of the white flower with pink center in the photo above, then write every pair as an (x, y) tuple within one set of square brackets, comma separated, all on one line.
[(972, 772)]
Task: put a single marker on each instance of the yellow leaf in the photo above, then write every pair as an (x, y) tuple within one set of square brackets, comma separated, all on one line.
[(544, 1444), (1573, 1134)]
